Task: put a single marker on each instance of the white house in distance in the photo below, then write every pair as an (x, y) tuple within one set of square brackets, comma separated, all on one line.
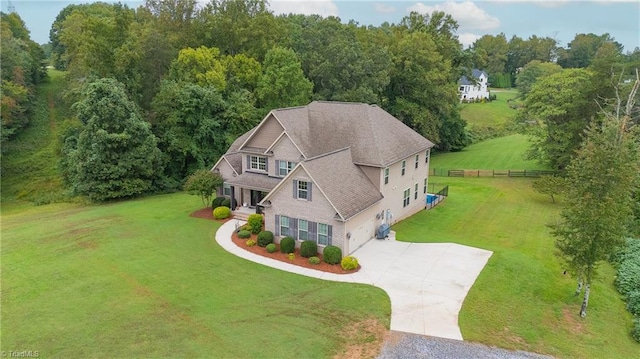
[(470, 90), (331, 172)]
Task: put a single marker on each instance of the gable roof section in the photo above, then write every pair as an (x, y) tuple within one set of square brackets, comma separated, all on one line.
[(375, 137), (343, 183), (233, 157), (475, 73)]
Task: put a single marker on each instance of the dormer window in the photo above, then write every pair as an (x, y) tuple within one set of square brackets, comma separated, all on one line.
[(257, 163)]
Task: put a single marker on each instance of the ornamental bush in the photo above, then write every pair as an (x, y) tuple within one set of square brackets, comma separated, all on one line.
[(349, 263), (226, 202), (291, 256), (308, 249), (635, 332), (287, 245), (250, 242), (244, 234), (264, 238), (221, 212), (255, 223), (332, 254), (633, 302), (271, 247), (314, 260), (217, 202)]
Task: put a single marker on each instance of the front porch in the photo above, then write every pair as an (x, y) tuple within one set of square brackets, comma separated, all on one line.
[(243, 212)]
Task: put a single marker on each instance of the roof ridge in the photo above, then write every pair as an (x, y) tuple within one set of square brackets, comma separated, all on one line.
[(327, 154)]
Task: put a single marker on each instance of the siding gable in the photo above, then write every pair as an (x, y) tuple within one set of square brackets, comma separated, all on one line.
[(264, 136)]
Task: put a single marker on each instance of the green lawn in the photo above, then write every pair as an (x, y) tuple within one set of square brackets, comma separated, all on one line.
[(491, 114), (522, 300), (503, 153), (143, 279)]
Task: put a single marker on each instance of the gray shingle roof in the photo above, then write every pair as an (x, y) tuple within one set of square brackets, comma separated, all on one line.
[(233, 156), (254, 181), (348, 189), (375, 137), (475, 73)]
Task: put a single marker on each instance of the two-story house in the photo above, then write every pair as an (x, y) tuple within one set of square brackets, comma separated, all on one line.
[(477, 88), (331, 172)]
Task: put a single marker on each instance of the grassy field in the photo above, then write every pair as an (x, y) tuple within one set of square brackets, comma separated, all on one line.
[(143, 279), (491, 114), (30, 163), (522, 300), (503, 153)]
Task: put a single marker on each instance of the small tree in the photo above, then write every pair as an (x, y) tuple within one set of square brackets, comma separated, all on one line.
[(203, 183), (603, 175), (550, 185)]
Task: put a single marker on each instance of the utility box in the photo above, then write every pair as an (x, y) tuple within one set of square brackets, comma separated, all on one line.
[(383, 231)]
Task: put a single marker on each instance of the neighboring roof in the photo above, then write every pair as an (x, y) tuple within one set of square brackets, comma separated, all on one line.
[(474, 73), (255, 181), (375, 137), (352, 193)]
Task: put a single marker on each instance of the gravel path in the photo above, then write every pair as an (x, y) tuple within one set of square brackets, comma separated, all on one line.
[(401, 345)]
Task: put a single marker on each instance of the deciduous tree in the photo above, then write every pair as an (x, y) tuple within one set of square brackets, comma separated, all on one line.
[(599, 205), (203, 183), (283, 84)]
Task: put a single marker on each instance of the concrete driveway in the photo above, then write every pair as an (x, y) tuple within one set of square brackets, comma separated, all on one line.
[(426, 282)]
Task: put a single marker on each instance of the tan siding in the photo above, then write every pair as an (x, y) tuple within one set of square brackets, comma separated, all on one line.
[(393, 191), (317, 210), (374, 174), (266, 135), (283, 150)]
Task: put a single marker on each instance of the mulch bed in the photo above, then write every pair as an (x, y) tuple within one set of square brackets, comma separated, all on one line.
[(299, 260)]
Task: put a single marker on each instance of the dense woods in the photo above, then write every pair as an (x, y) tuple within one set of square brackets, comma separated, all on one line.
[(201, 75)]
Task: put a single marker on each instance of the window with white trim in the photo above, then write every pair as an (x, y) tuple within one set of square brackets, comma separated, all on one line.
[(424, 189), (407, 197), (417, 160), (303, 190), (303, 230), (415, 192), (226, 189), (426, 156), (386, 175), (323, 234), (284, 167), (284, 226), (258, 163), (404, 166)]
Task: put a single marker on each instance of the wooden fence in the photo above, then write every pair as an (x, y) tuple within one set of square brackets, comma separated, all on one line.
[(490, 173)]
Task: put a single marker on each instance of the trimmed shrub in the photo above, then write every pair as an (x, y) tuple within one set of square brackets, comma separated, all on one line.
[(244, 234), (217, 202), (628, 278), (314, 260), (226, 202), (308, 249), (255, 223), (291, 256), (264, 238), (250, 242), (332, 254), (287, 245), (271, 247), (349, 263), (221, 212)]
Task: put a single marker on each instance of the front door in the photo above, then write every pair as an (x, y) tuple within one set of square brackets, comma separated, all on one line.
[(256, 197)]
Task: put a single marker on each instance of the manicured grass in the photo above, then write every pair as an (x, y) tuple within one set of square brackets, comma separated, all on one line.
[(503, 153), (522, 300), (143, 279), (30, 162), (491, 114)]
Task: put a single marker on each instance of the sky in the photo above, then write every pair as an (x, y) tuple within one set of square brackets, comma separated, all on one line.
[(559, 19)]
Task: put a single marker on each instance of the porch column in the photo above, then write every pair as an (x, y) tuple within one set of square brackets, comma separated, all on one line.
[(233, 198)]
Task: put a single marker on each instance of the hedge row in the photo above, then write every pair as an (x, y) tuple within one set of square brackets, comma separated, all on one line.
[(627, 260)]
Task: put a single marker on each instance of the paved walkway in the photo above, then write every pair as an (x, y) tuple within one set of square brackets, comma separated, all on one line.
[(426, 282)]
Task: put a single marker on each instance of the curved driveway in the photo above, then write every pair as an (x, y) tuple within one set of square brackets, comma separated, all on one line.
[(426, 282)]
